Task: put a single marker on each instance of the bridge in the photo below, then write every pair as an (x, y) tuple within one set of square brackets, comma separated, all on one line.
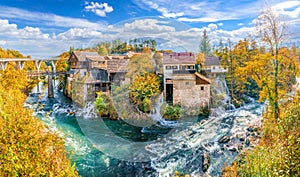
[(20, 62)]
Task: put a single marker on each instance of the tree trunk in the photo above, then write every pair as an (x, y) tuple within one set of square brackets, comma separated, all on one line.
[(276, 101)]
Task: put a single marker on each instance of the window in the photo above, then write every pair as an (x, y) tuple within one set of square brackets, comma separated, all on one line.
[(168, 67), (214, 67), (191, 67), (202, 87), (174, 67), (183, 67), (187, 83)]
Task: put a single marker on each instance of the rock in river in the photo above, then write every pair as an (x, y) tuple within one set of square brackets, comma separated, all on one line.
[(206, 161), (224, 139)]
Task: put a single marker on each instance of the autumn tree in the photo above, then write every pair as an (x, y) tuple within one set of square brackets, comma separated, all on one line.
[(27, 146), (273, 32), (142, 89)]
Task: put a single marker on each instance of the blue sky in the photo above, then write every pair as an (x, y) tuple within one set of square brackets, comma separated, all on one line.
[(45, 28)]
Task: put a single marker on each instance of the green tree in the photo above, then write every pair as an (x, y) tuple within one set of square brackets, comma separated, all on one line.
[(102, 50), (204, 46)]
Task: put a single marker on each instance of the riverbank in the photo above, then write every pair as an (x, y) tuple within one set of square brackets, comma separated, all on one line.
[(278, 151)]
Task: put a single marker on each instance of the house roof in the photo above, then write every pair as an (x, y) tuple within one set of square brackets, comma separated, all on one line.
[(179, 58), (191, 72), (211, 60), (120, 57), (202, 77), (117, 65), (82, 56), (96, 58)]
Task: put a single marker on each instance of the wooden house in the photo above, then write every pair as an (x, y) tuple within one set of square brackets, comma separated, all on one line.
[(94, 72)]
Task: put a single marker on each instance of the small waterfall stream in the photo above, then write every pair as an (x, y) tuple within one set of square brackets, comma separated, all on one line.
[(168, 145)]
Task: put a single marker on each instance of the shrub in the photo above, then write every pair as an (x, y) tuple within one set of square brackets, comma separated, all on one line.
[(104, 106), (172, 112)]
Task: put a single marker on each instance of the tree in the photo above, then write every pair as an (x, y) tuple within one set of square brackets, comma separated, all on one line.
[(142, 89), (102, 50), (27, 146), (204, 46), (273, 31)]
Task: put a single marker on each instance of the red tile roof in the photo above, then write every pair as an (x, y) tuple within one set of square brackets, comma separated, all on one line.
[(179, 58)]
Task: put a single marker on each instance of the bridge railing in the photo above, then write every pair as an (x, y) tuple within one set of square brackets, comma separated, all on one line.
[(34, 73)]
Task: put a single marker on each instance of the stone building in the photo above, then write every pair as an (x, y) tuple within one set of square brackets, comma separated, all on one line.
[(182, 83)]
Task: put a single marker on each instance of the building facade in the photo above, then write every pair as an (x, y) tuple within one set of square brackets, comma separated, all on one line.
[(90, 73), (213, 67), (183, 85)]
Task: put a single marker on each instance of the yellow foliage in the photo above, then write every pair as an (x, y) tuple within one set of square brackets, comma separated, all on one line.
[(27, 146), (200, 59)]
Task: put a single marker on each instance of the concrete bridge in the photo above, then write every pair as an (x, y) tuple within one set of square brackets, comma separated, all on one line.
[(20, 62)]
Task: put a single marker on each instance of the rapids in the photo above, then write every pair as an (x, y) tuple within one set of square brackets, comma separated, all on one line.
[(102, 147)]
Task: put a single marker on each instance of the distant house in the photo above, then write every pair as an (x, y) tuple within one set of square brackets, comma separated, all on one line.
[(212, 66), (182, 83), (94, 72)]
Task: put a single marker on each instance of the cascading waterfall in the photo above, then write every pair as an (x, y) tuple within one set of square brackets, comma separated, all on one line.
[(182, 149)]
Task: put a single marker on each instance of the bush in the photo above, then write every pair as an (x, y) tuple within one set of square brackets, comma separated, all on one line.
[(104, 106), (172, 112)]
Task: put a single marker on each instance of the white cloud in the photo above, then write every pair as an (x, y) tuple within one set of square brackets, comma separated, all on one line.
[(240, 24), (100, 9), (204, 19), (46, 19), (206, 11), (173, 15), (11, 30), (220, 24), (287, 5), (151, 26), (79, 33), (213, 26), (2, 42), (289, 8)]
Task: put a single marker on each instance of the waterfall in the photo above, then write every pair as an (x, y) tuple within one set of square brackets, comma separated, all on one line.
[(180, 149), (221, 101), (87, 112)]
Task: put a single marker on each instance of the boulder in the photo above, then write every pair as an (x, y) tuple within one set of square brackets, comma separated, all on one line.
[(205, 161), (224, 139)]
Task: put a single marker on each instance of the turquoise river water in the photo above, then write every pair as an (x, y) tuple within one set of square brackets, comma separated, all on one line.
[(164, 147)]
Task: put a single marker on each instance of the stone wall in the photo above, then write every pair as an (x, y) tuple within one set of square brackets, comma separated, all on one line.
[(188, 94)]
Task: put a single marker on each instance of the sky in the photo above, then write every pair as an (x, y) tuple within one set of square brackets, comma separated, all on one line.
[(46, 28)]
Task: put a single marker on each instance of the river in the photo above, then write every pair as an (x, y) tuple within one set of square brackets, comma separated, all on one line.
[(102, 147)]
